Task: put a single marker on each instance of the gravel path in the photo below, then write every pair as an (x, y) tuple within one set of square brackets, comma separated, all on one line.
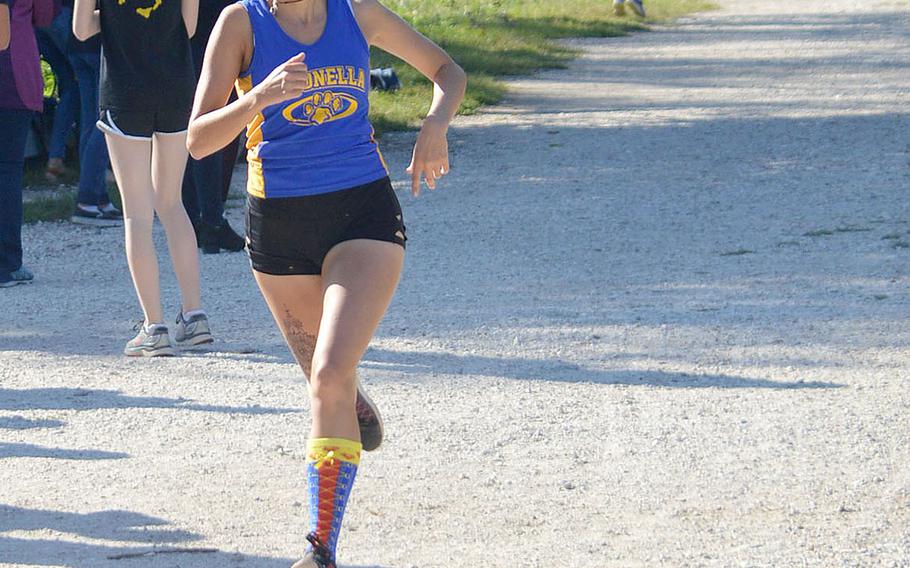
[(657, 317)]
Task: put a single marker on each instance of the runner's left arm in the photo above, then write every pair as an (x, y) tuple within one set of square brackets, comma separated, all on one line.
[(387, 31)]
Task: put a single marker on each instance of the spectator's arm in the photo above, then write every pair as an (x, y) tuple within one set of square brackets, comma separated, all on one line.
[(86, 19), (190, 10), (44, 12), (4, 25)]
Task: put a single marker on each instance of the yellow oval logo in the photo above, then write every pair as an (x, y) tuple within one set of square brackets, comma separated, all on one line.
[(319, 108)]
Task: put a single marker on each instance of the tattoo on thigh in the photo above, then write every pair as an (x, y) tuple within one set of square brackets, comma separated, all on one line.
[(301, 342)]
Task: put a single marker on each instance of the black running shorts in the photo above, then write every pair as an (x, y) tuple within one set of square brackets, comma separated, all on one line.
[(292, 235), (142, 124)]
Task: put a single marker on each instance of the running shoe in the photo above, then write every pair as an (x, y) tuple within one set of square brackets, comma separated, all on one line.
[(195, 331), (619, 8), (91, 215), (21, 276), (638, 7), (371, 430), (111, 213), (317, 557), (7, 281), (151, 341)]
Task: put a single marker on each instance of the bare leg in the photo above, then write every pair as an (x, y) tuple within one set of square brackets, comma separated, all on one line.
[(328, 322), (169, 156), (359, 278), (296, 305), (131, 161)]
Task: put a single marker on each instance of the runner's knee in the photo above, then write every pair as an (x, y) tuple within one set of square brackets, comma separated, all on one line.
[(331, 381)]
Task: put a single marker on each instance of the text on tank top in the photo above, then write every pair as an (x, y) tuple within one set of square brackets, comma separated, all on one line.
[(321, 141)]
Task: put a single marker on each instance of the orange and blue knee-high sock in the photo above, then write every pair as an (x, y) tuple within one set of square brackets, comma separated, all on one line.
[(331, 467)]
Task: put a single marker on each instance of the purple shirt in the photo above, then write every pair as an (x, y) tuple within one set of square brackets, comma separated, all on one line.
[(21, 83)]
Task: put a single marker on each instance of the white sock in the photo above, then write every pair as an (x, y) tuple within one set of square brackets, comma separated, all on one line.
[(191, 313), (150, 327)]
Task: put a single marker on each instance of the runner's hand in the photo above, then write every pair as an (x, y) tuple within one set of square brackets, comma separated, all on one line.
[(285, 82), (431, 154)]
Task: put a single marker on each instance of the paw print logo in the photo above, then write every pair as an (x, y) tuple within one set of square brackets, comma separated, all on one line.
[(144, 12), (320, 108)]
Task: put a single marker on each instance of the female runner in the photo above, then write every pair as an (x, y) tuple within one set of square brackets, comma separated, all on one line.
[(325, 231), (147, 82)]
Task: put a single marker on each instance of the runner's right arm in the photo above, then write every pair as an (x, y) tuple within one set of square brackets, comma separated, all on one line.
[(214, 125)]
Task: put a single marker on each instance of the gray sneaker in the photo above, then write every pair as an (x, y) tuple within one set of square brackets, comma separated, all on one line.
[(638, 7), (196, 331), (150, 342)]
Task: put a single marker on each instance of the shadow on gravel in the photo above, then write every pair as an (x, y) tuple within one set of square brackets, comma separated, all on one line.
[(102, 525), (558, 371), (122, 526), (28, 552), (92, 399), (11, 450)]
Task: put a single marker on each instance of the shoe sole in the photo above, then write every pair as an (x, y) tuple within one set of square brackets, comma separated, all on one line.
[(201, 339), (12, 283), (370, 445), (160, 352), (95, 222)]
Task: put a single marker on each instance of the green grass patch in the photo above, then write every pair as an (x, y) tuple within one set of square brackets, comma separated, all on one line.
[(499, 38), (52, 208)]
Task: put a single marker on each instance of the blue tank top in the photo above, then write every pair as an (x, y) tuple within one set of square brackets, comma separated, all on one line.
[(322, 141)]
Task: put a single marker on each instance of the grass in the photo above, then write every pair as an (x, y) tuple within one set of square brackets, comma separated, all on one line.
[(52, 208), (490, 39), (498, 38)]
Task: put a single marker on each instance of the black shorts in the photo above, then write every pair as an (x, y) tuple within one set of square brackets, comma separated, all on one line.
[(143, 123), (292, 235)]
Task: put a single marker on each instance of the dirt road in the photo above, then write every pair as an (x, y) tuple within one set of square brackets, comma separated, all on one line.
[(657, 317)]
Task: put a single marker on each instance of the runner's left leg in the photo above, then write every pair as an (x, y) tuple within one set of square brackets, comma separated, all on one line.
[(358, 280)]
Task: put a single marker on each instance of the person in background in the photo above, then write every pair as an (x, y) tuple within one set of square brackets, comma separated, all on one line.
[(93, 205), (637, 6), (4, 25), (52, 45), (147, 84), (204, 179), (21, 95)]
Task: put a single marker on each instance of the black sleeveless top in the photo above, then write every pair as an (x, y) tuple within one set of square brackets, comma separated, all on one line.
[(146, 62)]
